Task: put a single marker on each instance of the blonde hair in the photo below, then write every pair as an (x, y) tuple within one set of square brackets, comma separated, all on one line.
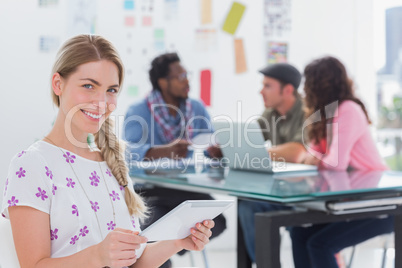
[(88, 48)]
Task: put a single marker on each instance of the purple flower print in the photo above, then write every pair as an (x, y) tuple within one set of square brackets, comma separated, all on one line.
[(94, 206), (49, 173), (75, 210), (74, 239), (70, 182), (54, 188), (21, 153), (41, 194), (69, 157), (133, 223), (20, 173), (108, 172), (84, 231), (94, 179), (121, 188), (5, 188), (53, 234), (115, 196), (12, 202), (111, 225)]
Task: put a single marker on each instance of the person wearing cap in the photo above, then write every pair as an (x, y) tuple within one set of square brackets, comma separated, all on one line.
[(282, 121), (282, 124)]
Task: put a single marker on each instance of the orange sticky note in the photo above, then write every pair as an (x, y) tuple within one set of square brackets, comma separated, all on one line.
[(206, 11), (240, 57)]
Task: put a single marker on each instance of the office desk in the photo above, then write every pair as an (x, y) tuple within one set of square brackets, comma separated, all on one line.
[(316, 197)]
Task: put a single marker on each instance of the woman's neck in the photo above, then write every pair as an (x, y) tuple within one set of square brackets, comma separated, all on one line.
[(71, 140)]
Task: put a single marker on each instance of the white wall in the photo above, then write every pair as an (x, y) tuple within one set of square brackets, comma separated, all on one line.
[(340, 28)]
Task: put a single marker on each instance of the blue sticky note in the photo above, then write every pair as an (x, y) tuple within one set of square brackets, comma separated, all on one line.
[(128, 4)]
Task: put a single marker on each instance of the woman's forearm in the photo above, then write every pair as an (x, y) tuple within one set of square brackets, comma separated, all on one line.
[(155, 254)]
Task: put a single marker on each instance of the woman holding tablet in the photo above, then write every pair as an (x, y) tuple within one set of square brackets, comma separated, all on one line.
[(71, 205), (341, 140)]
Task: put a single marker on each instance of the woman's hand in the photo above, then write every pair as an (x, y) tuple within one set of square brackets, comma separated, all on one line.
[(118, 248), (311, 160), (199, 236)]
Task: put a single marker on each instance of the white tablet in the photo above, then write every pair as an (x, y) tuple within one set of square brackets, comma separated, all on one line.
[(177, 223)]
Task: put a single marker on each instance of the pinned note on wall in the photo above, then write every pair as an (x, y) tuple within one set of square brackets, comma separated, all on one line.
[(129, 4), (129, 21), (205, 86), (146, 21), (159, 39), (233, 18), (277, 52), (132, 90), (206, 11), (240, 56)]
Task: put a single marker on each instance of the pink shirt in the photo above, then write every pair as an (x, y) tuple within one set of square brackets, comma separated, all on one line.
[(352, 145)]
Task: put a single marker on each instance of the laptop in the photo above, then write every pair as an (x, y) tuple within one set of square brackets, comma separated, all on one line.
[(243, 147)]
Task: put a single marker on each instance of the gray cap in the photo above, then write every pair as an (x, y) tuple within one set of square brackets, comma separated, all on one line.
[(284, 72)]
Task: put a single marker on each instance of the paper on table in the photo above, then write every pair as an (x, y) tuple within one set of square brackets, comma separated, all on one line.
[(201, 141)]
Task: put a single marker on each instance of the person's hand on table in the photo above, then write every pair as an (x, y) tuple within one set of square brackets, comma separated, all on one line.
[(214, 151)]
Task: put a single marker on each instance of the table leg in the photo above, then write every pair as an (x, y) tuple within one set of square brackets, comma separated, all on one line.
[(243, 260), (398, 239), (267, 242)]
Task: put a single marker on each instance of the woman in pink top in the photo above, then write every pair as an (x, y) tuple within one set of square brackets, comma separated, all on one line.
[(340, 140)]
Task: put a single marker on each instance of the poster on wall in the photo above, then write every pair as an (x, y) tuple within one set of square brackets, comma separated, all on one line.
[(277, 52), (277, 18), (81, 17), (206, 40), (47, 3), (171, 10), (48, 43)]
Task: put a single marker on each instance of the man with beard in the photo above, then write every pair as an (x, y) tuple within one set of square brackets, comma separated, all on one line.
[(160, 126)]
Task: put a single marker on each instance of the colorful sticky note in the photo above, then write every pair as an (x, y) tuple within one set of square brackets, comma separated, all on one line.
[(159, 34), (132, 90), (129, 21), (129, 4), (205, 80), (233, 18), (240, 57), (147, 21), (206, 11)]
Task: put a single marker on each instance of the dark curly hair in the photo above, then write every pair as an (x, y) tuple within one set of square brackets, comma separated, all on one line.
[(160, 67), (326, 82)]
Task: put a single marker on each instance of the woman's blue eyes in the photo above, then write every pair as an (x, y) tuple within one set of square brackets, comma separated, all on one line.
[(112, 90)]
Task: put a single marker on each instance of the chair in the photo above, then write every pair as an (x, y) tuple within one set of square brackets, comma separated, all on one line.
[(204, 256), (387, 242), (8, 256)]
